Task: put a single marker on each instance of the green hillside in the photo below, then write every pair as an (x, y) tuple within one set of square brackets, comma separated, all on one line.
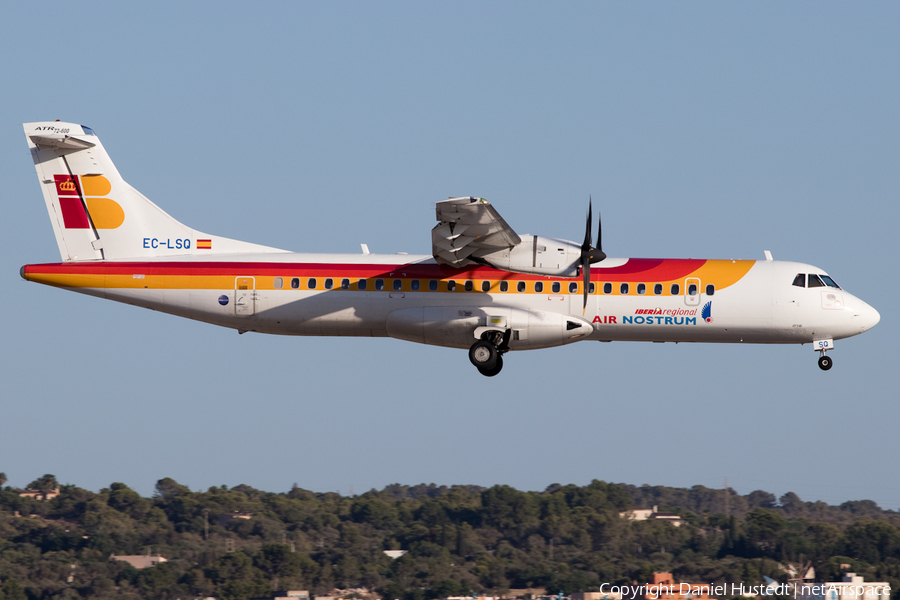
[(461, 539)]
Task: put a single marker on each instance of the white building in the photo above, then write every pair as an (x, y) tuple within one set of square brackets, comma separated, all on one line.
[(295, 594), (638, 514), (139, 561), (646, 514)]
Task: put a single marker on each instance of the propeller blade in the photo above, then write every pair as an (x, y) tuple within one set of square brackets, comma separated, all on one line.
[(600, 233), (585, 279), (589, 254), (598, 253), (586, 245)]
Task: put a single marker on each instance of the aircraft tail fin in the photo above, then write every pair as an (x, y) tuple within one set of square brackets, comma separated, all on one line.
[(96, 215)]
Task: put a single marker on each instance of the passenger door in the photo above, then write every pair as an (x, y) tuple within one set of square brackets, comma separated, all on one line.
[(244, 295)]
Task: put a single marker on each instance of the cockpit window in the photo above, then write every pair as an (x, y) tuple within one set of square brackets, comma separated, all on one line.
[(800, 280), (88, 130), (814, 281), (829, 281)]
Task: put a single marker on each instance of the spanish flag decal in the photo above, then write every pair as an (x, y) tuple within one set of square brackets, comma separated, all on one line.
[(204, 244)]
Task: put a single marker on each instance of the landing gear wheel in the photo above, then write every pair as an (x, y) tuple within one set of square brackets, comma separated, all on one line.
[(825, 362), (495, 370), (483, 355)]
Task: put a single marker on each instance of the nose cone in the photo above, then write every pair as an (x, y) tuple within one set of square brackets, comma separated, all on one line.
[(869, 318)]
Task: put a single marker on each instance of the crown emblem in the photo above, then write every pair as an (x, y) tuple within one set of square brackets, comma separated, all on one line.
[(67, 186)]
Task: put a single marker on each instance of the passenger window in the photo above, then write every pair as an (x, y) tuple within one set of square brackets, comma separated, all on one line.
[(607, 288), (657, 289), (710, 289), (398, 284), (504, 286), (414, 285), (311, 283), (295, 283), (814, 281), (675, 289), (800, 280), (432, 285), (379, 284), (361, 284), (830, 282), (623, 289), (451, 286), (329, 283), (520, 286), (345, 284), (592, 288), (485, 286), (555, 287), (692, 289), (538, 286), (468, 285), (279, 283), (641, 289), (573, 287)]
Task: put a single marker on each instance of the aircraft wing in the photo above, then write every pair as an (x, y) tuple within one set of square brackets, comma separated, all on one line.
[(469, 228)]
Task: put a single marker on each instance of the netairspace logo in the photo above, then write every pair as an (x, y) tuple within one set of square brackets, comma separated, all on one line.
[(802, 591)]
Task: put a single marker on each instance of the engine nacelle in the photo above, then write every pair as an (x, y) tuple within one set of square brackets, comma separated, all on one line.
[(538, 255), (454, 326)]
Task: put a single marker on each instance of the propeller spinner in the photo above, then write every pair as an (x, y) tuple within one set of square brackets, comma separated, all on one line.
[(589, 254)]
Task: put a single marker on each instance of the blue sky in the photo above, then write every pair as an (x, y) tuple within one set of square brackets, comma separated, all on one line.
[(700, 129)]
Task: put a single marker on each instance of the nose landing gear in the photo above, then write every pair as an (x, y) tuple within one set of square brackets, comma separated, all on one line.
[(821, 346), (487, 353)]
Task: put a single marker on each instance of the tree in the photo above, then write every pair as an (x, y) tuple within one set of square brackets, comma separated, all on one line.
[(505, 507), (764, 528), (761, 499), (278, 561), (236, 578), (792, 505), (873, 541), (3, 479), (47, 483), (11, 590), (126, 500), (168, 488)]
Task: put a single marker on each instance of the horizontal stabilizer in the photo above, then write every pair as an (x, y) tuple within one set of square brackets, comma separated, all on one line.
[(59, 140)]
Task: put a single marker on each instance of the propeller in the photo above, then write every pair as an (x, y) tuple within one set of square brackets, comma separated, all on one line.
[(589, 254)]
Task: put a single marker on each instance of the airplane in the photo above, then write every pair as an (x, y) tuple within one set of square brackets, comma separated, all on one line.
[(484, 287)]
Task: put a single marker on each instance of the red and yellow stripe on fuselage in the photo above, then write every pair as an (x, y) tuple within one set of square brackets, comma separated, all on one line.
[(221, 275), (285, 303)]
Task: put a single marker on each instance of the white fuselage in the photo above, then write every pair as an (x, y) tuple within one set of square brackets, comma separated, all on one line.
[(272, 293)]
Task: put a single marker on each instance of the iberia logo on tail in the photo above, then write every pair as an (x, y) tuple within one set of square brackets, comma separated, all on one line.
[(105, 213)]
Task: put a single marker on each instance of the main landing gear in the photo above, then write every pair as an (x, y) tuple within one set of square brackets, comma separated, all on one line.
[(487, 353)]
